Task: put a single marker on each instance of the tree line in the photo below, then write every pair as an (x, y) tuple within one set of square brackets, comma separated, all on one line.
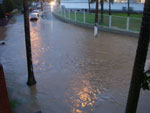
[(9, 5)]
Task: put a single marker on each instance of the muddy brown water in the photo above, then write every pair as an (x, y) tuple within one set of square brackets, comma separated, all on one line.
[(2, 32), (75, 72)]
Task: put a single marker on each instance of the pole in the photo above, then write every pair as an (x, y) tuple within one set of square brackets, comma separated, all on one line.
[(141, 54), (69, 13), (31, 80), (128, 22), (84, 18), (96, 20), (75, 16)]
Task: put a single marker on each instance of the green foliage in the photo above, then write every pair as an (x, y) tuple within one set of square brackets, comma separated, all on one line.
[(2, 11), (18, 3), (9, 5), (145, 85)]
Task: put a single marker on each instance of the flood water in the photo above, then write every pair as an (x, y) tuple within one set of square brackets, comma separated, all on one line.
[(75, 72), (2, 33)]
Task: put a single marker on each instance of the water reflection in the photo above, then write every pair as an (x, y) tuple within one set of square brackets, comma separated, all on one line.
[(85, 95), (33, 93), (37, 48)]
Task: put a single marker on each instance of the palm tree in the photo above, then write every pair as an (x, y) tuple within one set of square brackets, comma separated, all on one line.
[(110, 2), (96, 20), (141, 53), (31, 79), (89, 6), (102, 10), (128, 7)]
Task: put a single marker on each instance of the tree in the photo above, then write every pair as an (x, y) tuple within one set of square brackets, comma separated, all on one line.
[(89, 2), (31, 80), (102, 10), (96, 20), (128, 7), (141, 53), (18, 3), (2, 11), (110, 2), (9, 5)]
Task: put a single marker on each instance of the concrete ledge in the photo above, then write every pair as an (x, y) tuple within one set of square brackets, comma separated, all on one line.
[(102, 28)]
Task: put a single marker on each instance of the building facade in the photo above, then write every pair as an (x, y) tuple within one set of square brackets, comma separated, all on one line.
[(132, 1), (118, 5), (122, 1)]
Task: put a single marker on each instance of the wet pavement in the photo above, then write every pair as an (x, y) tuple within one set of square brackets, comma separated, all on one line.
[(2, 33), (75, 72)]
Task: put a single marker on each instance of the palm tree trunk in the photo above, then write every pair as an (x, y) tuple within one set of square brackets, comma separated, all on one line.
[(102, 9), (31, 79), (109, 8), (128, 7), (96, 20), (139, 63), (89, 6)]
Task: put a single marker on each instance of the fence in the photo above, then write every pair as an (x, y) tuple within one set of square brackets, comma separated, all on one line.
[(121, 23)]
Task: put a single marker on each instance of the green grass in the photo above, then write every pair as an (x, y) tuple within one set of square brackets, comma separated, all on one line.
[(119, 20), (135, 24), (125, 15), (90, 18), (14, 103), (80, 17)]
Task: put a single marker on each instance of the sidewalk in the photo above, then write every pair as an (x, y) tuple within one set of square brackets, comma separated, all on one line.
[(4, 21), (2, 32)]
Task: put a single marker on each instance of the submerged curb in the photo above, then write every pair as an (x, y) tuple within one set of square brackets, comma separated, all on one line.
[(101, 28)]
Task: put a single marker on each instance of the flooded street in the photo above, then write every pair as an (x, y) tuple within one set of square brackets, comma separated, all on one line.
[(75, 72), (2, 33)]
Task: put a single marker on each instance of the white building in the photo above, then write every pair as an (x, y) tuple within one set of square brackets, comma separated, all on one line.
[(136, 5), (133, 1)]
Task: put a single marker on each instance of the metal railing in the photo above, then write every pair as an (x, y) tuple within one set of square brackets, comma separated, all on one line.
[(121, 23)]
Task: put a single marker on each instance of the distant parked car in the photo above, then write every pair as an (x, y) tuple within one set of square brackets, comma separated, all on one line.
[(31, 9), (33, 16), (36, 11), (38, 6)]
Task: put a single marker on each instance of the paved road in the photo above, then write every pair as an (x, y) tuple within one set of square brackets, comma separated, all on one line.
[(75, 72)]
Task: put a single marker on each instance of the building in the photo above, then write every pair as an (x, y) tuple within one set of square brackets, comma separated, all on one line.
[(118, 5), (132, 1), (83, 1)]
